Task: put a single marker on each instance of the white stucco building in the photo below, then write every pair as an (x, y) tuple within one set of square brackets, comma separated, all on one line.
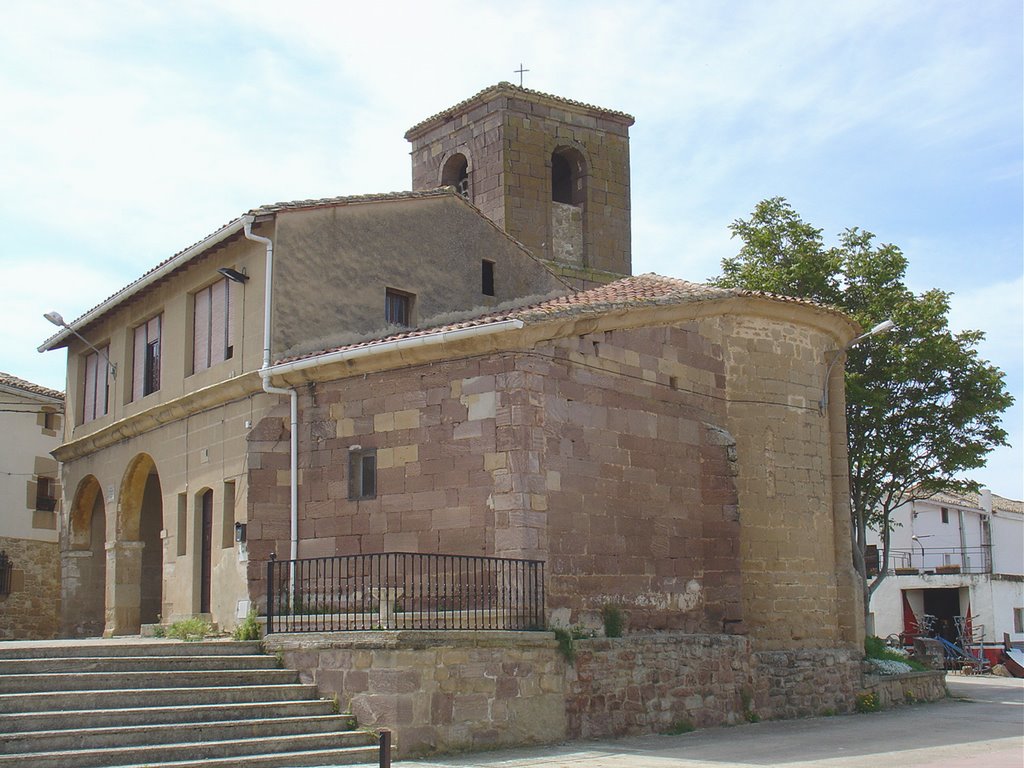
[(955, 558), (30, 423)]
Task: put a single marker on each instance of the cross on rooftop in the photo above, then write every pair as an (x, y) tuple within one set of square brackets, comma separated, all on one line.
[(520, 73)]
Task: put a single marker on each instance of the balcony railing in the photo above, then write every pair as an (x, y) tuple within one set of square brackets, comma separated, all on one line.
[(942, 559), (401, 590)]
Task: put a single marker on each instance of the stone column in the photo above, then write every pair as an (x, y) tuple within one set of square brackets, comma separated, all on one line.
[(124, 587)]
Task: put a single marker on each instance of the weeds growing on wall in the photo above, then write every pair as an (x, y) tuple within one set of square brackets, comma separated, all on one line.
[(191, 630)]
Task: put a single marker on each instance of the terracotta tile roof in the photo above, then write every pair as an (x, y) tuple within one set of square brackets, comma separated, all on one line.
[(226, 231), (14, 382), (327, 202), (514, 90), (647, 290), (973, 501)]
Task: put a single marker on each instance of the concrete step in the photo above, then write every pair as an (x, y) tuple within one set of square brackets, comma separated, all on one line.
[(160, 754), (325, 758), (104, 681), (47, 701), (85, 719), (147, 735), (134, 647), (133, 664)]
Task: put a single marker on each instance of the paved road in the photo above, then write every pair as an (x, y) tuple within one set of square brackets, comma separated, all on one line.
[(980, 726)]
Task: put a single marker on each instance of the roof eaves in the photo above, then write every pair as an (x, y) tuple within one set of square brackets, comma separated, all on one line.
[(161, 270), (514, 90)]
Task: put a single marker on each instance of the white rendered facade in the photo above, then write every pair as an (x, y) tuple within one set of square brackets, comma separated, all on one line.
[(954, 556)]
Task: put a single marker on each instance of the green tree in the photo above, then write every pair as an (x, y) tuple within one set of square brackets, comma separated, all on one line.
[(921, 407)]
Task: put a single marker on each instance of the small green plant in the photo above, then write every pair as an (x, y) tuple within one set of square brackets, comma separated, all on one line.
[(867, 702), (747, 699), (613, 620), (248, 629), (680, 727), (875, 648), (190, 630), (159, 631), (829, 712), (566, 644), (909, 697)]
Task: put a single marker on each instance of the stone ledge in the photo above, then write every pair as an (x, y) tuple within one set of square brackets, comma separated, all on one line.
[(408, 639)]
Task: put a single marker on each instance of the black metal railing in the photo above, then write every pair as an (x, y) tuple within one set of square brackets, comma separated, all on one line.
[(943, 559), (6, 569), (403, 590)]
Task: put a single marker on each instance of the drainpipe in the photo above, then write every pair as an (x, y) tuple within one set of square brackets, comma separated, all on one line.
[(270, 389)]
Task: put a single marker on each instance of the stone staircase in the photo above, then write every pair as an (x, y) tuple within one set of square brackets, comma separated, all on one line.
[(133, 703)]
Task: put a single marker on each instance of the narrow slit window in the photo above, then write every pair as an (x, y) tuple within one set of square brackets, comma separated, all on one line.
[(362, 475), (487, 277)]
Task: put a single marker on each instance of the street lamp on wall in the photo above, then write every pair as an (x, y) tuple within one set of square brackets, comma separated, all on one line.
[(56, 319), (882, 327)]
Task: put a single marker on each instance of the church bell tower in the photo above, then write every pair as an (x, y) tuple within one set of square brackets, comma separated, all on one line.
[(553, 173)]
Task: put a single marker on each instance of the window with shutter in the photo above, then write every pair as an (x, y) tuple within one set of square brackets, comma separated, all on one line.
[(94, 403), (212, 337), (146, 370)]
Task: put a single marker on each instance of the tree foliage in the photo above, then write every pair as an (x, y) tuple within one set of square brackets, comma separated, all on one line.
[(921, 407)]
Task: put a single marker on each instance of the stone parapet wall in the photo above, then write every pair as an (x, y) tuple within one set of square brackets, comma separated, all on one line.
[(31, 610), (654, 683), (439, 691), (910, 688), (451, 690), (805, 683)]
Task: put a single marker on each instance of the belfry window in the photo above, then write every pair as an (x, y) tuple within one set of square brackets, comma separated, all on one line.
[(456, 174), (567, 176)]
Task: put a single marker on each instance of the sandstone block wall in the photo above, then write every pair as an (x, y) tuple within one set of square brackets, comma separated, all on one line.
[(446, 691), (805, 683), (439, 692), (587, 453), (653, 683), (508, 141), (909, 688), (31, 611), (795, 540)]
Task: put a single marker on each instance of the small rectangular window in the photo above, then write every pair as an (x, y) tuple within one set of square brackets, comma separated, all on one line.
[(487, 277), (1018, 621), (46, 494), (397, 307), (945, 514), (362, 475)]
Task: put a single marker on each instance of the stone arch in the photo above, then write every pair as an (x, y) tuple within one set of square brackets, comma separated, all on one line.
[(135, 560), (568, 218), (84, 562), (568, 176), (455, 173)]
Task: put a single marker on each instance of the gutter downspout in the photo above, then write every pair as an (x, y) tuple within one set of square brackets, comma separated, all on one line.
[(270, 389)]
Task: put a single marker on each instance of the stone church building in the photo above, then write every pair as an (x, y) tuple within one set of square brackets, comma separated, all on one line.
[(470, 368)]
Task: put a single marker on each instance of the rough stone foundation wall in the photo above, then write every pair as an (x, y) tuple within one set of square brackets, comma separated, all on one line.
[(31, 610), (910, 688), (805, 683), (439, 691), (448, 691), (653, 683)]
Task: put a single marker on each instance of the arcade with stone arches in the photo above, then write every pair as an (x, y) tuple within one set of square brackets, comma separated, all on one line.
[(114, 585)]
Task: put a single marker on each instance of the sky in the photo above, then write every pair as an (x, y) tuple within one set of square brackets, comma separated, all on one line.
[(131, 130)]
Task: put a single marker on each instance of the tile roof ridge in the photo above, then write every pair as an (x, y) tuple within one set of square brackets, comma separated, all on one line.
[(506, 87), (15, 382)]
